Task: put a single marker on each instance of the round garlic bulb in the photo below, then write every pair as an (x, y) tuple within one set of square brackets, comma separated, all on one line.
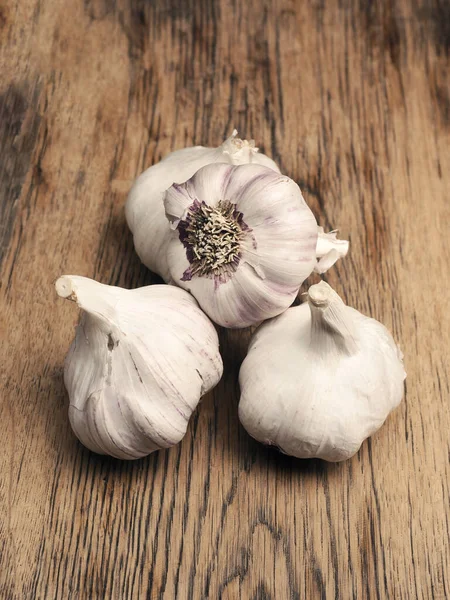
[(243, 241), (140, 361), (319, 379), (144, 209)]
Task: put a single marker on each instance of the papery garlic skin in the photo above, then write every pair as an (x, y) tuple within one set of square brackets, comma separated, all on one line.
[(144, 209), (140, 361), (258, 273), (328, 250), (319, 379)]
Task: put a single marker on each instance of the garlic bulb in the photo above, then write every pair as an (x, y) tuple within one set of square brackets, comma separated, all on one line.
[(140, 361), (144, 208), (319, 379), (244, 241)]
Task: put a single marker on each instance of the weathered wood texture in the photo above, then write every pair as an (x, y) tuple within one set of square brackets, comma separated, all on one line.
[(352, 99)]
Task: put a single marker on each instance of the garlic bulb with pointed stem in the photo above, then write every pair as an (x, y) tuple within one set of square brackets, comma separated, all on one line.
[(138, 366), (144, 208), (244, 241), (319, 379)]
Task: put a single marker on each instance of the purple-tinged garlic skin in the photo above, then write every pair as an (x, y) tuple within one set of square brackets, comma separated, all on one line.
[(144, 209), (269, 249)]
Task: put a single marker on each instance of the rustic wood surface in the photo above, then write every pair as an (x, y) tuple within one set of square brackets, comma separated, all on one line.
[(352, 100)]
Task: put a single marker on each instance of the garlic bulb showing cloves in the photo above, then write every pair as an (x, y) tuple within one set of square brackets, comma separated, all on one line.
[(144, 208), (244, 241), (319, 379), (140, 361)]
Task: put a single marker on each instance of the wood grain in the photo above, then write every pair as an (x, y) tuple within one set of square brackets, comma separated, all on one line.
[(352, 99)]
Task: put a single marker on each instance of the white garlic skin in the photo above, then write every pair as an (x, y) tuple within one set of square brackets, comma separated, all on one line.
[(319, 379), (140, 361), (144, 209), (277, 251)]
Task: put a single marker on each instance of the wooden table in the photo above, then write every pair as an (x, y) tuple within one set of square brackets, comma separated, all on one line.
[(352, 100)]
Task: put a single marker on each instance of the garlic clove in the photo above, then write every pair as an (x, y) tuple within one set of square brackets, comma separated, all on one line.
[(244, 240), (144, 209), (140, 362), (319, 379)]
